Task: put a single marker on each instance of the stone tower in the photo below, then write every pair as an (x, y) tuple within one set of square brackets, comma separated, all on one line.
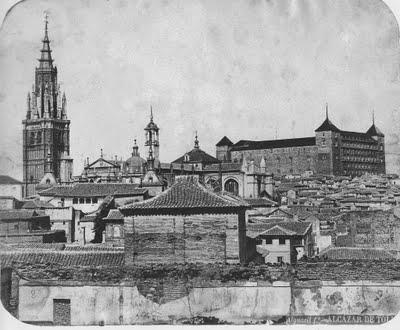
[(152, 139), (46, 127), (327, 139)]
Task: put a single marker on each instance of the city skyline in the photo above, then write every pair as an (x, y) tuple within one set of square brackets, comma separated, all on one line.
[(236, 91)]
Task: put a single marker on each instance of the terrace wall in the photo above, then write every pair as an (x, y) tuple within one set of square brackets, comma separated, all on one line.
[(204, 238)]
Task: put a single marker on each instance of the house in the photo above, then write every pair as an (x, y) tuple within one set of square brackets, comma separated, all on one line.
[(87, 197), (61, 218), (10, 187), (282, 241), (19, 226), (186, 223)]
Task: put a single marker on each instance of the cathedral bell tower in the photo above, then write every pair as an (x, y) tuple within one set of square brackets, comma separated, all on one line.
[(152, 139), (46, 127)]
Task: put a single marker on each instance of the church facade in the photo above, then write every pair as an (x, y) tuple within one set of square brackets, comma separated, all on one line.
[(331, 151), (46, 145)]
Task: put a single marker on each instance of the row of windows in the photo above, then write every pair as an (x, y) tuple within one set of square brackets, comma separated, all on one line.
[(268, 240), (87, 200), (358, 166), (363, 159), (362, 146), (358, 152)]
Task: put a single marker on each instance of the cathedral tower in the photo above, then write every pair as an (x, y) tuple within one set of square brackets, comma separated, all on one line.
[(46, 127)]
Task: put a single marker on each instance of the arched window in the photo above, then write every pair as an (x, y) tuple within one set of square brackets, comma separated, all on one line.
[(32, 138), (39, 137), (232, 186)]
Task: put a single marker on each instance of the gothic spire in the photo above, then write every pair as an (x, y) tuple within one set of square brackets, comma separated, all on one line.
[(46, 62)]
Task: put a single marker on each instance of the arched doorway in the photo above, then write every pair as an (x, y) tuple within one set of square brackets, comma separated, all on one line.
[(232, 186)]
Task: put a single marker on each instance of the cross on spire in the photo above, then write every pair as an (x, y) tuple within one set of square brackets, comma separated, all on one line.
[(151, 113), (373, 117)]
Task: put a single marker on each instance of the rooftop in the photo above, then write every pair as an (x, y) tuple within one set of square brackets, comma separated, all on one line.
[(197, 155), (37, 204), (5, 179), (224, 142), (327, 125), (81, 258), (283, 228), (271, 144), (355, 253), (185, 193), (94, 190), (114, 215), (17, 214)]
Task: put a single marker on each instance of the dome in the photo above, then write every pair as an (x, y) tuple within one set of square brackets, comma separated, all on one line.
[(151, 126), (135, 164)]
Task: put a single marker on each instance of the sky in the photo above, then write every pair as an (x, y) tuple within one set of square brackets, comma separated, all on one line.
[(254, 69)]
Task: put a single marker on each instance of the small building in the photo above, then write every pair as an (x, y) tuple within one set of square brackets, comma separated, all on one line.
[(8, 203), (20, 226), (88, 197), (10, 187), (185, 223), (61, 218), (283, 242), (114, 228)]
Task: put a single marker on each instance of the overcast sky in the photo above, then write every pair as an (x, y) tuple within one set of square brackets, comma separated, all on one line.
[(245, 69)]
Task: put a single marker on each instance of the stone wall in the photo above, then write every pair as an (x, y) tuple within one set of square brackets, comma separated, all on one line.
[(279, 161), (379, 229), (205, 238), (349, 298), (164, 302)]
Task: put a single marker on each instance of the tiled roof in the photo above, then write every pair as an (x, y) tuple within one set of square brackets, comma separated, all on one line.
[(271, 144), (64, 258), (37, 204), (260, 202), (327, 125), (17, 214), (185, 193), (375, 131), (5, 179), (197, 155), (224, 142), (88, 218), (283, 228), (354, 253), (95, 190), (114, 215)]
